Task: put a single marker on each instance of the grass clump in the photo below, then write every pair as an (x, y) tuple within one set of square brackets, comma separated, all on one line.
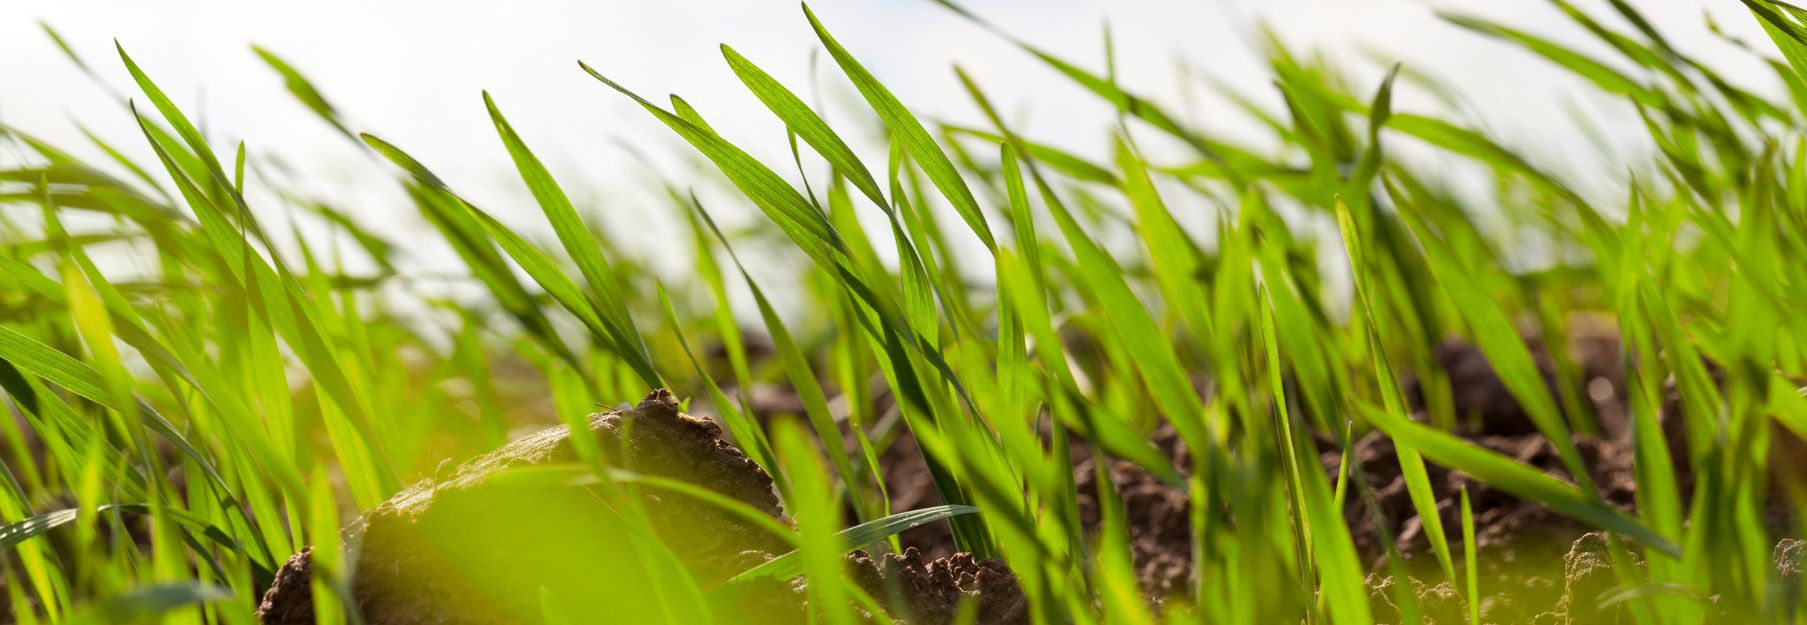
[(1140, 418)]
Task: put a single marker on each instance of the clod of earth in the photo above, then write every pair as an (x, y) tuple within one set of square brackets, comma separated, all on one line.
[(931, 591), (469, 549)]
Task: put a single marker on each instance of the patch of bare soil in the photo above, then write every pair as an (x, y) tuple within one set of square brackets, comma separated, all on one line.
[(469, 549), (920, 590), (1535, 566), (1157, 514), (1489, 416)]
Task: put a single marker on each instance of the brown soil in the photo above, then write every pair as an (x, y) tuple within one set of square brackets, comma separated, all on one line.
[(1522, 545), (290, 599), (1492, 418), (466, 549), (1536, 566), (922, 591), (1157, 514)]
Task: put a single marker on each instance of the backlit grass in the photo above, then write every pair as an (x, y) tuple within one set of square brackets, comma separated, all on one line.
[(176, 432)]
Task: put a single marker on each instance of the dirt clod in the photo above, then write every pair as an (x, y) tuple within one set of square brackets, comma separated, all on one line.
[(289, 600), (930, 592), (475, 548), (471, 548)]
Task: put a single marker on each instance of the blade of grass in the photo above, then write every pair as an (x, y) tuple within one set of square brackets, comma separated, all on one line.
[(910, 133), (609, 300)]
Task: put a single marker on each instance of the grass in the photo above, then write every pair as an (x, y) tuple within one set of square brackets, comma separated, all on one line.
[(180, 431)]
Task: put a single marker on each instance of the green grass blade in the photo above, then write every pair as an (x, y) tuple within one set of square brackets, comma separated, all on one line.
[(807, 227), (806, 123), (910, 133), (609, 301), (1513, 477), (1411, 465), (304, 90)]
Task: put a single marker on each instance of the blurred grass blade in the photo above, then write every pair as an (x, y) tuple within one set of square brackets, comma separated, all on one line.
[(304, 90), (147, 602)]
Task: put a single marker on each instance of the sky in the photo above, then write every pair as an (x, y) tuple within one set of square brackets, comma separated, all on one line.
[(414, 72)]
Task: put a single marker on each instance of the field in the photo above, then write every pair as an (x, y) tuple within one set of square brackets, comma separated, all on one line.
[(1398, 372)]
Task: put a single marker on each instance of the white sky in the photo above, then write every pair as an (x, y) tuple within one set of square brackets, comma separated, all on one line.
[(412, 73)]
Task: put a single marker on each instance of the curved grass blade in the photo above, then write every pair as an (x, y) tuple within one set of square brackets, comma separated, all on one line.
[(58, 368), (818, 512), (1332, 550), (451, 214), (1602, 75), (799, 219), (1067, 162), (1499, 341), (1411, 465)]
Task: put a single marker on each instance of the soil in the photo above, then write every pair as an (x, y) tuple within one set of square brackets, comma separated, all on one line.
[(289, 599), (1489, 416), (416, 561), (1521, 545), (1539, 567), (921, 590), (1157, 514)]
